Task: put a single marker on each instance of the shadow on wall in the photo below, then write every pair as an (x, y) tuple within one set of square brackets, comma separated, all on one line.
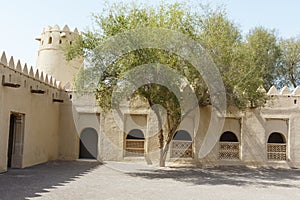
[(26, 183), (228, 175)]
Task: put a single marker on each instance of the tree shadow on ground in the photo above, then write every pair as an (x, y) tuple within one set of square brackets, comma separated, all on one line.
[(28, 182), (227, 175)]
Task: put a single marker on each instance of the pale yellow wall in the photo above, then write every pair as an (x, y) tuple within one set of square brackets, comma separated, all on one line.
[(41, 121)]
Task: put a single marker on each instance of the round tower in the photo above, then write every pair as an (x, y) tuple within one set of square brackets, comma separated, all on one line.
[(51, 56)]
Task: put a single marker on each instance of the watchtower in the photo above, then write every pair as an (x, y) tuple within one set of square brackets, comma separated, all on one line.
[(51, 56)]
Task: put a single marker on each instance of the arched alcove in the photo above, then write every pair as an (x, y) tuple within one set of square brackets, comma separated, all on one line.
[(276, 146), (134, 143), (228, 137), (229, 146), (181, 146), (88, 144), (135, 134), (182, 135), (276, 138)]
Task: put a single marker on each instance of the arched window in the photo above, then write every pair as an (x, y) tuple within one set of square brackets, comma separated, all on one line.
[(135, 134), (228, 137), (88, 144), (181, 146), (182, 135), (50, 40), (134, 143), (276, 138), (276, 147), (229, 146)]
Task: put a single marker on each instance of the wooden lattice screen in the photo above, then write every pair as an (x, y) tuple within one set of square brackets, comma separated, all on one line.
[(134, 147), (276, 151), (181, 149), (229, 150)]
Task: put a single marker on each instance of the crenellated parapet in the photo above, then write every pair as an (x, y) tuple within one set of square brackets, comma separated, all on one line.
[(285, 91), (34, 74), (27, 80)]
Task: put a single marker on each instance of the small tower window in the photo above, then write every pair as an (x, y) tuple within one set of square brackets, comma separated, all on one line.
[(70, 42), (50, 40), (60, 41)]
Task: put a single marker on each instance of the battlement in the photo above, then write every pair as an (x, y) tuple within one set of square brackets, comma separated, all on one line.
[(25, 72), (55, 36), (285, 91)]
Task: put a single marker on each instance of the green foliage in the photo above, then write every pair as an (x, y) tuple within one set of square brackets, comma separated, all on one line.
[(289, 66), (264, 50), (246, 64), (82, 46)]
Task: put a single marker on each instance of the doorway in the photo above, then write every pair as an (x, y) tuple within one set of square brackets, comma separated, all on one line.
[(88, 144), (15, 140)]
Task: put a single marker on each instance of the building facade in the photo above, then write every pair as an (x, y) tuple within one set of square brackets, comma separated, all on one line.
[(41, 119)]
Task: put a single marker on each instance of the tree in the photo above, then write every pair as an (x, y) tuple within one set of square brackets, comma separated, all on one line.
[(254, 64), (265, 53), (217, 33), (289, 67)]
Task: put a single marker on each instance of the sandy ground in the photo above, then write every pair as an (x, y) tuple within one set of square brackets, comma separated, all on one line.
[(120, 180)]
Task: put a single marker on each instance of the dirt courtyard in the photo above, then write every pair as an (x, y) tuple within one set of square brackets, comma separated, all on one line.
[(121, 180)]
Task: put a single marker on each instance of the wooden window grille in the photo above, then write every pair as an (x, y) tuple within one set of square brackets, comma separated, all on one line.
[(229, 150), (276, 151), (181, 149), (134, 148)]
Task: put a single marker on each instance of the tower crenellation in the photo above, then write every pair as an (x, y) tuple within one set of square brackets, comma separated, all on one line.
[(54, 37), (51, 55)]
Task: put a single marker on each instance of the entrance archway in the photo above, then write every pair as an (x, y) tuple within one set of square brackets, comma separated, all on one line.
[(88, 144)]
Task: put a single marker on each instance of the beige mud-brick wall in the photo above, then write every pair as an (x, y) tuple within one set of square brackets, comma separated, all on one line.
[(68, 135), (253, 138), (40, 136), (294, 139), (78, 112), (111, 142), (205, 115)]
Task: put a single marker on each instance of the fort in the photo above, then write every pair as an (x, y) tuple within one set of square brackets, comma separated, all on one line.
[(42, 119)]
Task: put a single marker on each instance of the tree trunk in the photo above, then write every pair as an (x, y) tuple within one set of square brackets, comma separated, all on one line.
[(163, 155)]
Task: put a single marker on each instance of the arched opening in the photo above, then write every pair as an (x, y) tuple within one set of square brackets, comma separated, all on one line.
[(88, 144), (181, 146), (229, 146), (276, 138), (134, 143), (276, 146), (228, 137)]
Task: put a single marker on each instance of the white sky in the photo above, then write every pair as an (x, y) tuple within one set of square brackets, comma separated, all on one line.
[(21, 21)]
